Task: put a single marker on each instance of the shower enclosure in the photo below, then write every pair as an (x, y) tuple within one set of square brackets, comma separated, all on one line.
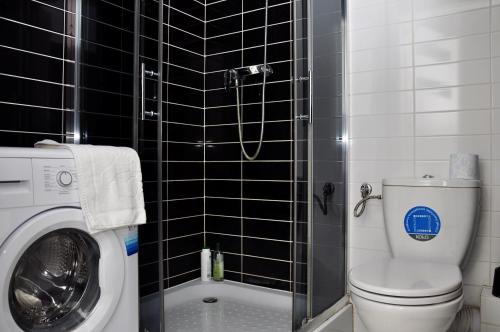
[(279, 219)]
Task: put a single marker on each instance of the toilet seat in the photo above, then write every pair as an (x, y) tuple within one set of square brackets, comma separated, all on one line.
[(403, 282)]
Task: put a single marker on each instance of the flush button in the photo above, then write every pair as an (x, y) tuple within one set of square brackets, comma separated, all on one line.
[(64, 178)]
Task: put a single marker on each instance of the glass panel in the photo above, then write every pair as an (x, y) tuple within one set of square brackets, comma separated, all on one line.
[(301, 165), (320, 159), (328, 156), (55, 284)]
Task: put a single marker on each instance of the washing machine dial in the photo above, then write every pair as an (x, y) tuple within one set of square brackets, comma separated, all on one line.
[(64, 178)]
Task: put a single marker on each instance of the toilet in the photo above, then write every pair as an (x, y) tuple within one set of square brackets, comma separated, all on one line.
[(430, 226)]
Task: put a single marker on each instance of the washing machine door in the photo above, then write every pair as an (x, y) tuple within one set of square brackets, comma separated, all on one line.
[(55, 276)]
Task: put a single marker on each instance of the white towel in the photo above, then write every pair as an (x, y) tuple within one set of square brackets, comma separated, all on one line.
[(109, 182)]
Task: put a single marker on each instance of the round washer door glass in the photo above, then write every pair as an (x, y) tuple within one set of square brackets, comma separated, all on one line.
[(55, 284)]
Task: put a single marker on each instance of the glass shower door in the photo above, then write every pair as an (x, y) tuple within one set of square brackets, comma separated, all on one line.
[(320, 263)]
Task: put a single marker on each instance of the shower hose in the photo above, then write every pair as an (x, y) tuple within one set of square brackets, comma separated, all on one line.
[(238, 106)]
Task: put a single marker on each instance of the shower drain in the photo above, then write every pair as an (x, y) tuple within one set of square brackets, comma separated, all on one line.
[(210, 299)]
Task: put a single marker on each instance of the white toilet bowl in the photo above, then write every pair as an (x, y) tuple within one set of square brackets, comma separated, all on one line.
[(393, 295)]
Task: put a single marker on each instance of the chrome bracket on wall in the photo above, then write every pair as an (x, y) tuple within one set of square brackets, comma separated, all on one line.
[(144, 73), (366, 190)]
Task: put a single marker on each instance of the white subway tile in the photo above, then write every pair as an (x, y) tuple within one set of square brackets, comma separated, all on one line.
[(495, 224), (484, 224), (436, 76), (481, 250), (452, 26), (495, 18), (495, 42), (453, 123), (496, 95), (495, 198), (496, 121), (450, 50), (399, 148), (495, 141), (431, 8), (453, 99), (382, 126), (496, 172), (495, 250), (382, 58), (376, 170), (440, 148), (369, 238), (382, 103), (374, 218), (495, 69), (438, 169), (379, 37), (380, 14), (486, 198), (472, 295), (477, 273), (382, 81), (495, 2)]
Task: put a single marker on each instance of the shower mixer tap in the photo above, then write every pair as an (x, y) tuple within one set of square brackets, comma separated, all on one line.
[(233, 77)]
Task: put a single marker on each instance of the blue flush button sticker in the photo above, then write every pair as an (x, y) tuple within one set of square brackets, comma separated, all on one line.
[(422, 223), (131, 243)]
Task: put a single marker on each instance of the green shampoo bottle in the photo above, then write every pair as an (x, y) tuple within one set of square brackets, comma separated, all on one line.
[(218, 265)]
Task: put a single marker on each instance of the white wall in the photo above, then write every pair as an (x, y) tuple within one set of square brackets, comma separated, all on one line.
[(424, 81)]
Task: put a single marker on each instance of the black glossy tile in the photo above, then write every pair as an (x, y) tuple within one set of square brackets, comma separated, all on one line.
[(222, 9), (30, 65), (183, 170), (34, 119), (182, 189), (183, 208), (148, 253), (223, 225), (224, 207), (33, 13), (227, 243), (148, 273), (226, 60), (266, 282), (184, 58), (19, 90), (266, 248), (268, 229), (221, 170), (175, 132), (148, 232), (180, 279), (223, 152), (182, 95), (185, 22), (182, 246), (267, 190), (183, 227), (184, 114), (183, 264), (184, 77), (189, 6), (223, 188), (183, 151), (31, 39), (224, 43), (267, 268), (267, 210), (276, 14), (224, 26)]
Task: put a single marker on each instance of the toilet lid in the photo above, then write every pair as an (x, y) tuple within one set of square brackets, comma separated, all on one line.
[(403, 278)]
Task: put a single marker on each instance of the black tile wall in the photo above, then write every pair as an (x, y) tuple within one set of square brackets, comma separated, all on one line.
[(183, 155), (36, 71), (210, 192), (248, 205)]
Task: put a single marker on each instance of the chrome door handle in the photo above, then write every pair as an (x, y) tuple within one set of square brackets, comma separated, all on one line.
[(145, 73)]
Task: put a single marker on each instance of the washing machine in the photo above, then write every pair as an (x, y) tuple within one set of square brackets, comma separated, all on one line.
[(54, 274)]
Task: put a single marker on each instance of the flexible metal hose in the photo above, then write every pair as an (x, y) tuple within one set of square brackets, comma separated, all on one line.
[(264, 81)]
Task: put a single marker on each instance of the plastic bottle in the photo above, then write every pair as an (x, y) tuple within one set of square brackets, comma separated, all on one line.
[(218, 265), (206, 264)]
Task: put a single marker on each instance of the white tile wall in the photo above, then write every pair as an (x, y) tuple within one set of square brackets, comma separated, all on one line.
[(424, 82)]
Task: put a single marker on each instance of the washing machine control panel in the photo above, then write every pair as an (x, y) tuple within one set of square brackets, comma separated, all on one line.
[(54, 181)]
